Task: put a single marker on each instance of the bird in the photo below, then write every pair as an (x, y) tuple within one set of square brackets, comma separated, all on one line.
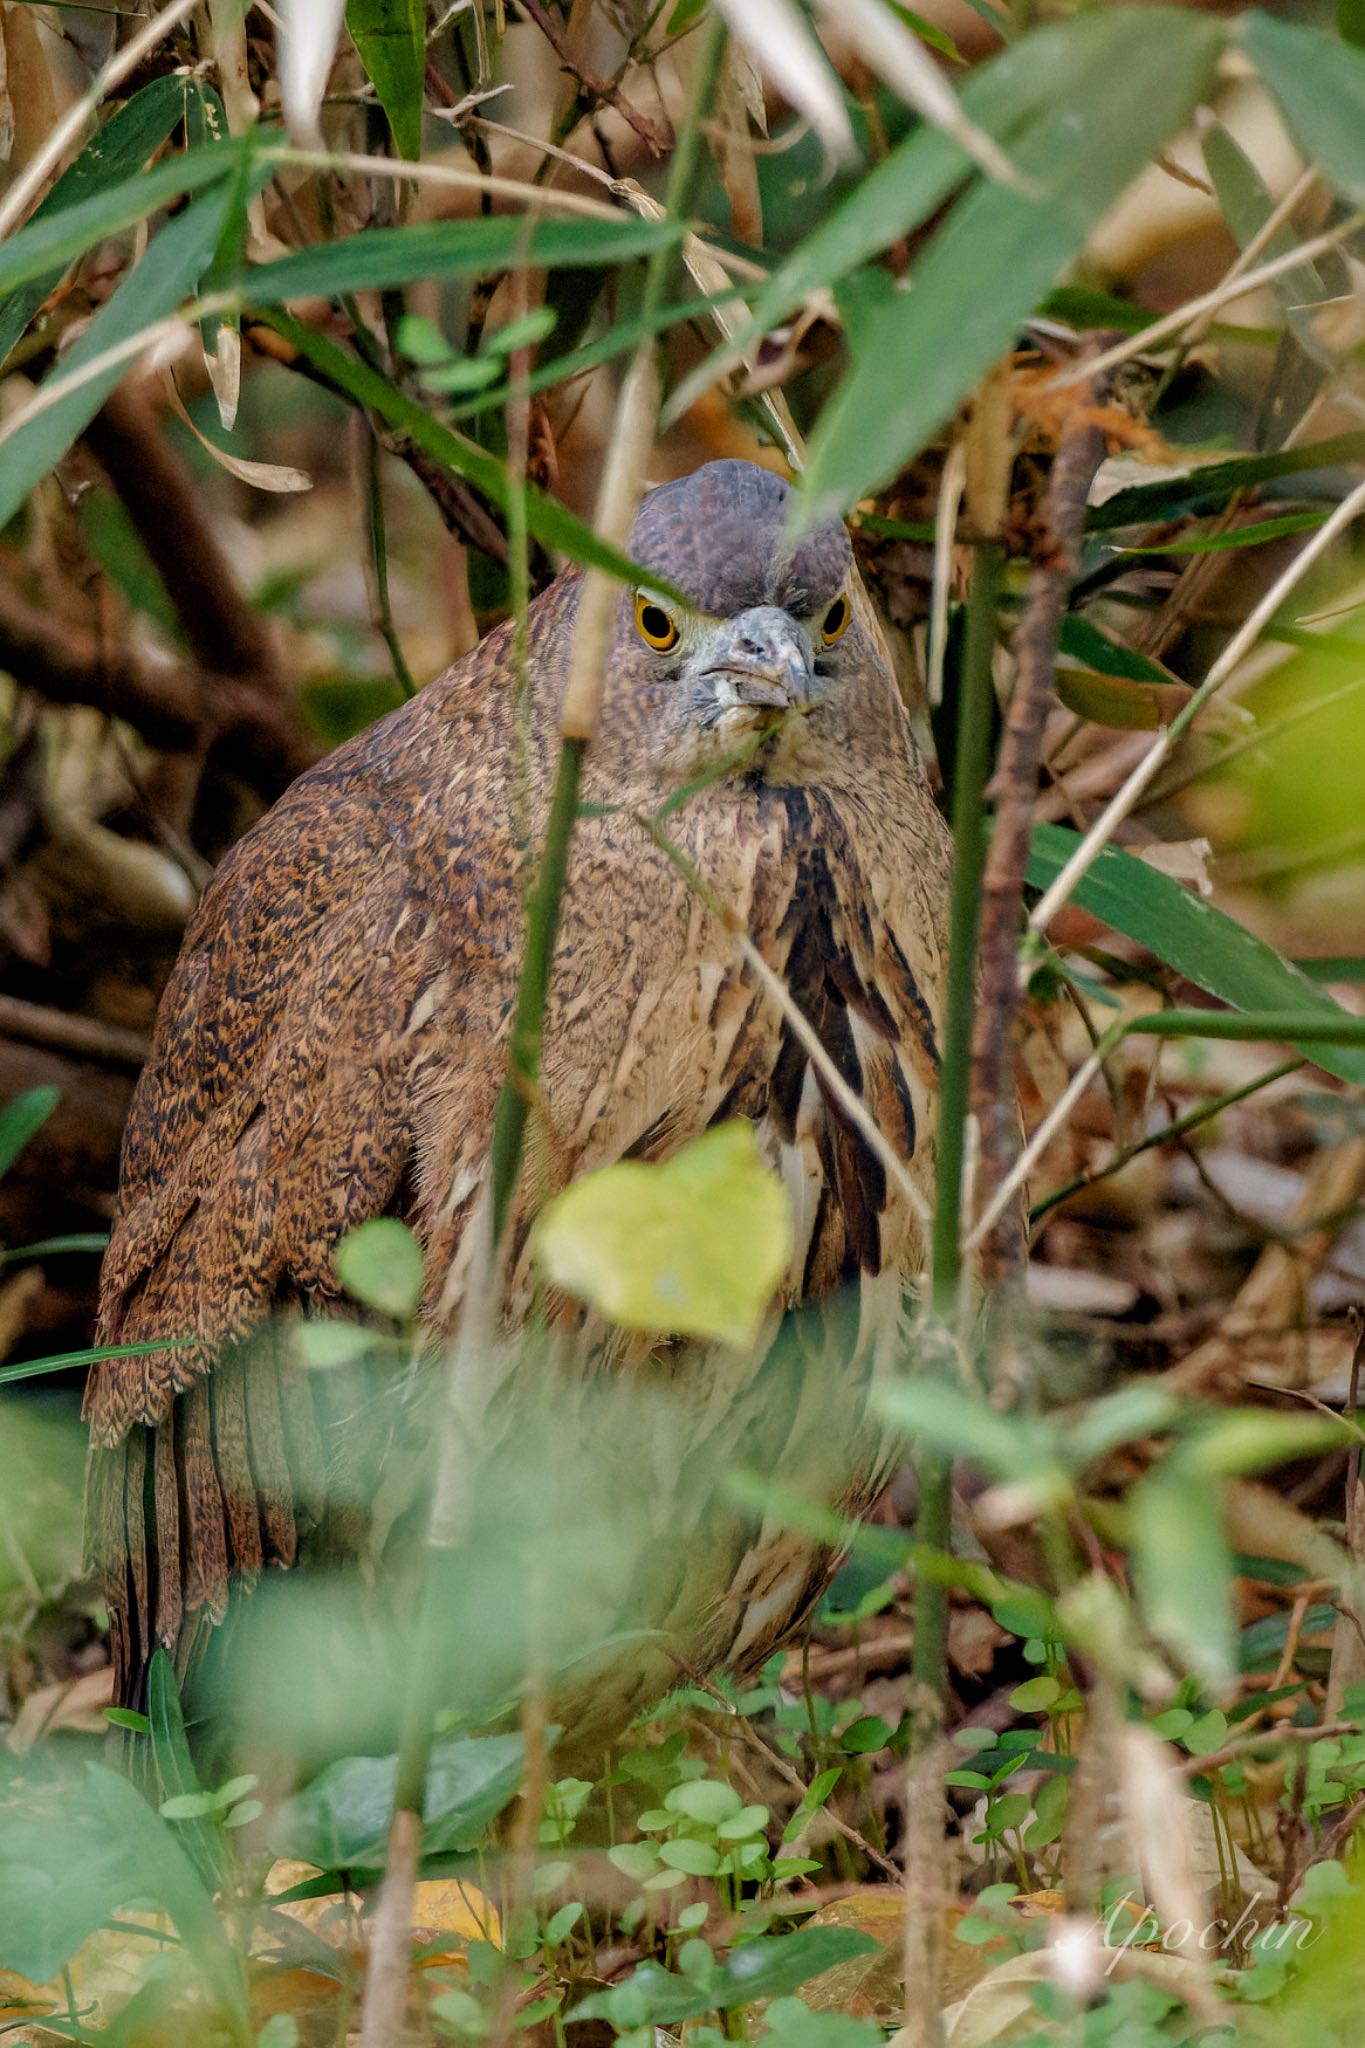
[(333, 1039)]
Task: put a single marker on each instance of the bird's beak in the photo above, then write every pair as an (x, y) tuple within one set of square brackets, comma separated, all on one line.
[(764, 657)]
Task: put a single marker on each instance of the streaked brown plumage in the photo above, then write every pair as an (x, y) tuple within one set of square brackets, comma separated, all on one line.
[(332, 1042)]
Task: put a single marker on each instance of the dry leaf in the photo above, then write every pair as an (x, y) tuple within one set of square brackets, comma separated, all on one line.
[(77, 1704), (442, 1905)]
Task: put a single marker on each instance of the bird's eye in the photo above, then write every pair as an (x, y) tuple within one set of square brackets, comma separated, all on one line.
[(835, 622), (654, 625)]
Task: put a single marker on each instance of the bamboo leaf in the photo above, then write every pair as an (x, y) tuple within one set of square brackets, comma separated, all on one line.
[(1082, 640), (21, 1118), (1189, 934), (52, 240), (1239, 537), (175, 258), (1319, 82), (1105, 700), (1209, 485), (380, 259), (391, 38), (1001, 249), (901, 192), (1182, 1568), (551, 523), (122, 146)]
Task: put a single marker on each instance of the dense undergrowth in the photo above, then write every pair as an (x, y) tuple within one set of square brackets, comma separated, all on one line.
[(1074, 1752)]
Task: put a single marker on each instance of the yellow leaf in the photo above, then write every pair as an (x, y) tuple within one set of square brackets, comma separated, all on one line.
[(442, 1905), (694, 1246), (19, 1999)]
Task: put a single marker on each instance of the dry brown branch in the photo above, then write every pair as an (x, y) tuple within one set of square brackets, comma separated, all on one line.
[(1080, 451), (173, 706), (592, 87), (87, 1037), (226, 636)]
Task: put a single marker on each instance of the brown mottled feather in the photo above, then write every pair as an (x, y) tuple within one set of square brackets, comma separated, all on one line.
[(331, 1044)]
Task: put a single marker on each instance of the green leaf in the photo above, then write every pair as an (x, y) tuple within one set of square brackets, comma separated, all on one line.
[(175, 1774), (1047, 69), (1319, 82), (1036, 1694), (1140, 1409), (21, 1118), (391, 38), (744, 1825), (380, 259), (928, 31), (324, 1343), (341, 1820), (771, 1968), (1247, 205), (1239, 536), (1083, 641), (1200, 942), (550, 522), (50, 1247), (50, 241), (694, 1245), (174, 260), (563, 1923), (698, 1859), (961, 1425), (68, 1361), (1104, 700), (67, 1865), (123, 145), (704, 1799), (1001, 249), (1182, 1568), (126, 1717), (1243, 1440), (379, 1263), (635, 1860), (1209, 485)]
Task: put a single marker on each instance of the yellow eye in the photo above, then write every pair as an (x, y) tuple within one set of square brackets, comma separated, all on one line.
[(654, 625), (835, 622)]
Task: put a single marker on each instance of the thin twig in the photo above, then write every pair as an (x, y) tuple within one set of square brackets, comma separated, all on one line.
[(832, 1082), (1247, 1745), (1348, 1649), (793, 1779), (1231, 288), (1125, 799), (227, 634), (174, 706), (474, 1361), (1080, 450), (1178, 1127), (591, 86)]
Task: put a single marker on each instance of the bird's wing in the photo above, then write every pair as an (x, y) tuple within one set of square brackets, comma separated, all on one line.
[(277, 1112)]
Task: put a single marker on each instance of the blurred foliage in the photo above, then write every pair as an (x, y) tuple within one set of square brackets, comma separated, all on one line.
[(351, 296)]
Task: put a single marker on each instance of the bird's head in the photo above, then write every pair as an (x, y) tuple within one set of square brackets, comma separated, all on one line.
[(759, 666)]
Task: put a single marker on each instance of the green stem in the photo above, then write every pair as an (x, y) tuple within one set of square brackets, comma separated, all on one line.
[(542, 929), (933, 1527), (1179, 1127), (970, 771), (544, 904)]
